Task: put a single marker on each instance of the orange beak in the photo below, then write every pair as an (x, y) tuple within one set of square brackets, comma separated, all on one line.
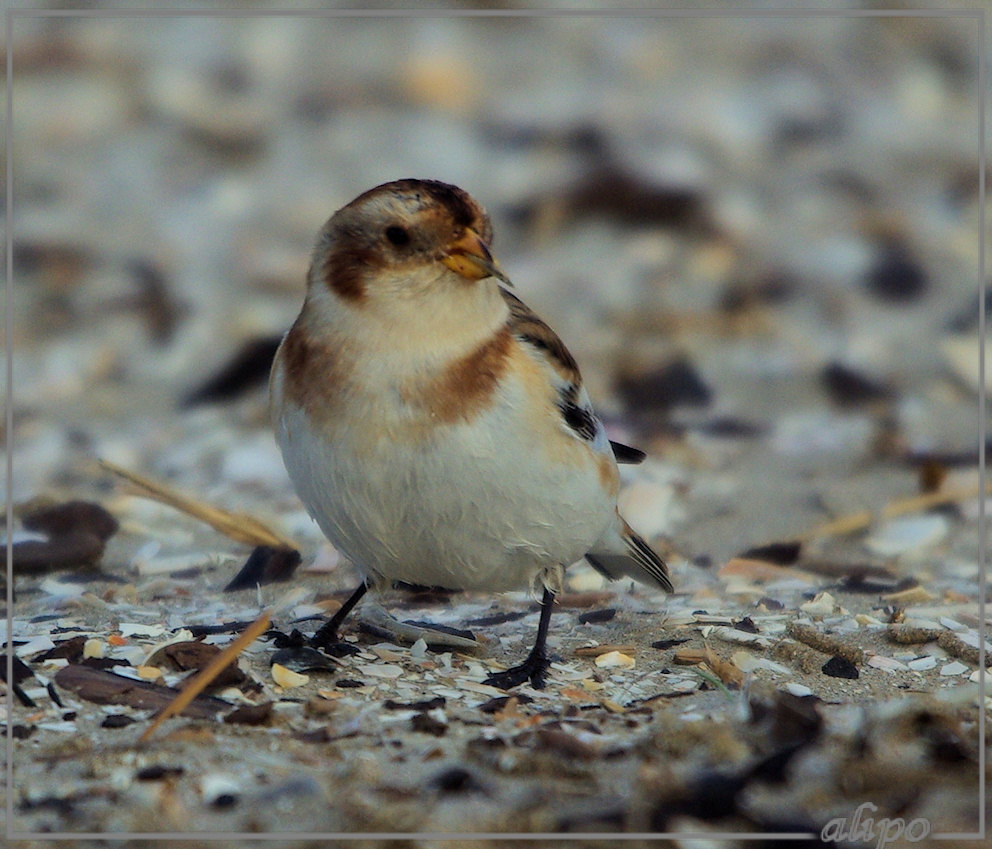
[(469, 256)]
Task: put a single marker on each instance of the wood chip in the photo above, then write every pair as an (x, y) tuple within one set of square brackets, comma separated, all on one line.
[(250, 714), (595, 651), (106, 688), (725, 670), (187, 655), (689, 657)]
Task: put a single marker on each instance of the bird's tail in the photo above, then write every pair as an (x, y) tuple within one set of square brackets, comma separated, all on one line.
[(622, 552)]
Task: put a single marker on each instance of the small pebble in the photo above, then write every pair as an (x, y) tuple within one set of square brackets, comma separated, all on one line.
[(955, 667)]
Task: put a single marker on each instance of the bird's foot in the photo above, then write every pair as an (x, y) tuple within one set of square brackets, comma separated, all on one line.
[(325, 639), (533, 669)]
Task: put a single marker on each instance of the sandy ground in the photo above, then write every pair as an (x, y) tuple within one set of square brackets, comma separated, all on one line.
[(760, 240)]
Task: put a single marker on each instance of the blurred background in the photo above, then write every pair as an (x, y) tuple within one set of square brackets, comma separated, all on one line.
[(759, 236)]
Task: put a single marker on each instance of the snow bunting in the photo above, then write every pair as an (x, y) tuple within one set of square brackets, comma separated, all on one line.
[(434, 427)]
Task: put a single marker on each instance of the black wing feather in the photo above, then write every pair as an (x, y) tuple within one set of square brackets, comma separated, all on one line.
[(626, 454)]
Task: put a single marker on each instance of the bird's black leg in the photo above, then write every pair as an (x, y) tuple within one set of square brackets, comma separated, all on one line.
[(537, 663), (327, 634)]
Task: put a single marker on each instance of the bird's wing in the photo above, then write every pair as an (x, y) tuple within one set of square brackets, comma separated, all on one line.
[(577, 415)]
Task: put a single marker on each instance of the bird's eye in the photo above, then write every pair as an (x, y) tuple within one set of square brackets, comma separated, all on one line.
[(398, 236)]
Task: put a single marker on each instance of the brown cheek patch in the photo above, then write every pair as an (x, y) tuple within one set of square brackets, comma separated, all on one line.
[(465, 387), (346, 270)]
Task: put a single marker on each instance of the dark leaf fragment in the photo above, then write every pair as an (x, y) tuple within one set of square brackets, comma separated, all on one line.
[(22, 672), (456, 779), (303, 659), (426, 704), (729, 427), (156, 772), (265, 565), (154, 300), (858, 583), (75, 550), (117, 720), (672, 385), (317, 736), (248, 368), (77, 531), (106, 688), (667, 644), (627, 197), (498, 618), (604, 614), (849, 388), (747, 625), (496, 704), (250, 714), (194, 655), (72, 516), (790, 719), (223, 628), (427, 724), (780, 553), (896, 275), (839, 667)]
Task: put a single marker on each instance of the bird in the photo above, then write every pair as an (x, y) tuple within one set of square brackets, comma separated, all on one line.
[(434, 427)]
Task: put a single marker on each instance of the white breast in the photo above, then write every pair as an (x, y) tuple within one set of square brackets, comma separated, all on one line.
[(478, 505)]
